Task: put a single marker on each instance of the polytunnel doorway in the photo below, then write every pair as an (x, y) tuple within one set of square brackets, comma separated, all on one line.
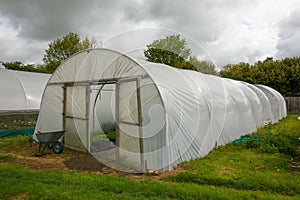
[(86, 119)]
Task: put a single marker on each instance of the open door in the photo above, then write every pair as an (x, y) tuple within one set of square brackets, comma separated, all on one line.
[(79, 114), (129, 131), (76, 116)]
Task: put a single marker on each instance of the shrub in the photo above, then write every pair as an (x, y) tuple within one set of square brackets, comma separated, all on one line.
[(275, 143)]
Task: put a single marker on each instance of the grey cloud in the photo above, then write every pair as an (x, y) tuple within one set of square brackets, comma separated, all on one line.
[(46, 20), (289, 47), (289, 36), (206, 21), (28, 25), (226, 28), (197, 18)]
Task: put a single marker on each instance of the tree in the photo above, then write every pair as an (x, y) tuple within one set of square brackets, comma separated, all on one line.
[(172, 50), (239, 71), (17, 65), (282, 75), (62, 48), (203, 66)]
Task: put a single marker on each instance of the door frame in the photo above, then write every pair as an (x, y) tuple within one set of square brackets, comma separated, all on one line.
[(137, 80), (87, 109), (117, 82)]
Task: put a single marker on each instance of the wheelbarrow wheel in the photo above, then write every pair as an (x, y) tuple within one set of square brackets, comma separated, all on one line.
[(58, 147)]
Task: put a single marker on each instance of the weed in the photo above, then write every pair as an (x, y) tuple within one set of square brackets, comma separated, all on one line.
[(275, 143)]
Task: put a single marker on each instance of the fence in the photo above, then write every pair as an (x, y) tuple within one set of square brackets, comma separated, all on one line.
[(292, 104)]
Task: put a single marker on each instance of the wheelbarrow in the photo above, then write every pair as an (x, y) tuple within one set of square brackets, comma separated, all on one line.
[(50, 140)]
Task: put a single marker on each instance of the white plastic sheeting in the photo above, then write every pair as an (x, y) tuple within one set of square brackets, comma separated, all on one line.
[(276, 99), (21, 91), (163, 116)]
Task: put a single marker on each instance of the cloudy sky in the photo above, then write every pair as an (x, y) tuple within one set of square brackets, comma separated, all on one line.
[(229, 31)]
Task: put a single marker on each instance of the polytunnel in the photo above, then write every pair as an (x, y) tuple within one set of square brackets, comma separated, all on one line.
[(21, 94), (21, 91), (161, 116)]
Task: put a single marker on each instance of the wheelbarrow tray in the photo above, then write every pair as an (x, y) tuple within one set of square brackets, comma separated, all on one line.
[(50, 140), (49, 137)]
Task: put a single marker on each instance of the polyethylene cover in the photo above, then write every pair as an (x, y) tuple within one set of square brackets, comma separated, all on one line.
[(21, 91), (162, 116)]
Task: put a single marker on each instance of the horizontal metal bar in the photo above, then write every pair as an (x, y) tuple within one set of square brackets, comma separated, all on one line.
[(131, 79), (74, 117), (92, 82), (129, 123), (83, 83), (103, 90)]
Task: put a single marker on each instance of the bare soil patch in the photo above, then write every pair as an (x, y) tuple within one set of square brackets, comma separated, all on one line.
[(70, 160)]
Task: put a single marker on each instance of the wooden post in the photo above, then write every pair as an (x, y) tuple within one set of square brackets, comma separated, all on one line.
[(64, 112), (87, 115), (117, 112), (140, 122)]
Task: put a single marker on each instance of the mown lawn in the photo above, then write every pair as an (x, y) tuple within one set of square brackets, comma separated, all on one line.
[(230, 172)]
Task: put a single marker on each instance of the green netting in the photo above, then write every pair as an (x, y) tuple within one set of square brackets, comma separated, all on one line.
[(11, 133), (244, 139)]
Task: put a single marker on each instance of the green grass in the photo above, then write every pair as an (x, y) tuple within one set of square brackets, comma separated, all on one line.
[(21, 145), (283, 137), (7, 158), (14, 144), (110, 135), (290, 126), (237, 166), (17, 181), (228, 172)]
